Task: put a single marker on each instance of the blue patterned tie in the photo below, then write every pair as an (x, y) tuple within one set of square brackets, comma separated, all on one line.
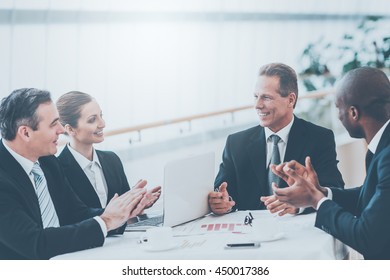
[(275, 159), (48, 212)]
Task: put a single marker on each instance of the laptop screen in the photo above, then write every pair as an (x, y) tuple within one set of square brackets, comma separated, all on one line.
[(187, 183)]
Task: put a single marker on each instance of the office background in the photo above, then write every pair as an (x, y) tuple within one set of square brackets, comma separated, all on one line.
[(149, 61)]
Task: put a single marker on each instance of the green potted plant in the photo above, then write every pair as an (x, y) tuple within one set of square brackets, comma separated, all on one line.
[(368, 45), (323, 61)]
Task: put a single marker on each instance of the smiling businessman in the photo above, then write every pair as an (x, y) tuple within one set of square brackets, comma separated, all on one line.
[(244, 176)]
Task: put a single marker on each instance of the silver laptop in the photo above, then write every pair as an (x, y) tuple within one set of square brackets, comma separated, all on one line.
[(187, 183)]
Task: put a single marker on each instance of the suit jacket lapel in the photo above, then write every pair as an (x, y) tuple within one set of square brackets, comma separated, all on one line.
[(295, 144), (77, 177), (112, 186), (296, 141), (256, 150), (383, 143), (11, 167)]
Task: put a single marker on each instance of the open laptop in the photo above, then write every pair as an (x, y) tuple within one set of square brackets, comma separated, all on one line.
[(187, 183)]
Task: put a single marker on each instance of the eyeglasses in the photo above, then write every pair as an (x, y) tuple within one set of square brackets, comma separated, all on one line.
[(248, 219)]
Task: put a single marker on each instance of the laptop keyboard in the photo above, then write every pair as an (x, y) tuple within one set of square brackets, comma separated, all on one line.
[(153, 221)]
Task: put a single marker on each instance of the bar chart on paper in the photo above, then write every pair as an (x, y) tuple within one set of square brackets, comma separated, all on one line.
[(207, 228), (224, 227)]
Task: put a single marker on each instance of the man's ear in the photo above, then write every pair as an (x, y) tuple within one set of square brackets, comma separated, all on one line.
[(354, 113), (292, 97), (24, 132)]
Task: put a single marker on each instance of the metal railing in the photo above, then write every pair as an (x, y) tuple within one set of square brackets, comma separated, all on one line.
[(189, 119), (139, 128)]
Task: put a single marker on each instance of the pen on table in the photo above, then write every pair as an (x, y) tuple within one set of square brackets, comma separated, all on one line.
[(249, 244), (216, 189)]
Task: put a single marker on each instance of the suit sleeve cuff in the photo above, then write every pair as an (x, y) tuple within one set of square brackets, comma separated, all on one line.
[(330, 193), (328, 197), (102, 225)]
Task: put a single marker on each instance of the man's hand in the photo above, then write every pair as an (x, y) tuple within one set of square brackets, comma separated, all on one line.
[(220, 202), (276, 206), (306, 171), (121, 208), (304, 190)]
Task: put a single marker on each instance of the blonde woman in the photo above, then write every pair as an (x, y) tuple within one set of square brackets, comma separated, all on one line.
[(96, 176)]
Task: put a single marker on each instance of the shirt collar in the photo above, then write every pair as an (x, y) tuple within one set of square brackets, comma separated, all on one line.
[(82, 160), (26, 164), (373, 145), (283, 133)]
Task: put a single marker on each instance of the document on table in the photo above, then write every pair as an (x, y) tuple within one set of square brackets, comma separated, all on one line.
[(203, 228)]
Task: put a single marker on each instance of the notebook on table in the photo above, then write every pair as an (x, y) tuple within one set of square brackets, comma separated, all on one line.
[(187, 183)]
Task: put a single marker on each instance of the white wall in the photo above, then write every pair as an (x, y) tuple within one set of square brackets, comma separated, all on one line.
[(351, 154), (152, 60)]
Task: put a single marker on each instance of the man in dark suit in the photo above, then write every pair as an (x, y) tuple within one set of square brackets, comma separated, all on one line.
[(244, 175), (40, 215), (359, 217)]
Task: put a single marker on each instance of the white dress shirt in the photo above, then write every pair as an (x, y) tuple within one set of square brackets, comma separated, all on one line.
[(372, 146), (282, 145), (27, 166), (94, 172), (283, 134)]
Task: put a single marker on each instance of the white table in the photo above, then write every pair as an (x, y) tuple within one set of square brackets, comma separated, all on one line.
[(301, 240)]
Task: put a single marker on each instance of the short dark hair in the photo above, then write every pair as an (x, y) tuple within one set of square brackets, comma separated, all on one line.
[(287, 78), (69, 107), (368, 89), (20, 108)]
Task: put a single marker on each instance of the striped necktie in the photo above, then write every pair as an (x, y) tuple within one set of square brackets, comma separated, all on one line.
[(48, 212)]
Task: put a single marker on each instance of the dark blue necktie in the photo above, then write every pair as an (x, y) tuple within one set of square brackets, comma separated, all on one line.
[(369, 156)]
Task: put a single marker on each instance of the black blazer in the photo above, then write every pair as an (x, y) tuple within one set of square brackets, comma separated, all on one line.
[(112, 169), (21, 231), (244, 167), (360, 217)]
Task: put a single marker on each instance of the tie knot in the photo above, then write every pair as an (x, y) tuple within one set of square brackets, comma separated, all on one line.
[(275, 139), (369, 156), (37, 170), (94, 166)]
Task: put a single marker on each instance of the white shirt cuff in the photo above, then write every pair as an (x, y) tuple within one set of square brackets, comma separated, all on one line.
[(102, 225), (328, 197)]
